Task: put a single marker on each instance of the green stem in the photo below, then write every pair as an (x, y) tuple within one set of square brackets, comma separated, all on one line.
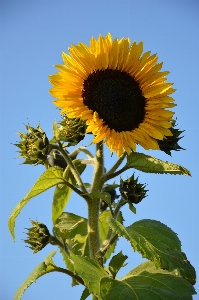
[(117, 164), (72, 168), (110, 176), (93, 204)]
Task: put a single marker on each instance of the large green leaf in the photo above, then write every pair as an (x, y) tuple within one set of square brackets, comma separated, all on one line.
[(48, 179), (146, 283), (158, 243), (45, 267), (90, 271), (150, 164), (63, 192)]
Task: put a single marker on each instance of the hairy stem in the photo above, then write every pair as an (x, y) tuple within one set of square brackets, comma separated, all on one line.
[(72, 168), (93, 204)]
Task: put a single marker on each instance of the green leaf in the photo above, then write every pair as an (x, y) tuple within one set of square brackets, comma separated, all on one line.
[(103, 230), (146, 285), (85, 294), (90, 271), (71, 230), (150, 164), (103, 195), (158, 243), (63, 192), (48, 179), (116, 263), (45, 267)]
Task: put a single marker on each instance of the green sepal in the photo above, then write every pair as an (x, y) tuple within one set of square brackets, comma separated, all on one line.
[(150, 164)]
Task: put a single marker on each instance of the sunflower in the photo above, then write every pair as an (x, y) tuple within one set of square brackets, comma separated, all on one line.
[(117, 90)]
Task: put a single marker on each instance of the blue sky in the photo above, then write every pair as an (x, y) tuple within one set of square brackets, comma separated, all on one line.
[(33, 35)]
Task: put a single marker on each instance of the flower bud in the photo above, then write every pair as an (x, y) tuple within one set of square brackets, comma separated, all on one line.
[(57, 159), (70, 130), (131, 190), (113, 194), (170, 143), (38, 236), (33, 145)]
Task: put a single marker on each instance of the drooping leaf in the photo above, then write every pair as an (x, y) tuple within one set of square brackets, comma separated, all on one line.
[(48, 179), (85, 294), (90, 271), (158, 243), (146, 285), (103, 230), (150, 164), (63, 192), (45, 267), (116, 263)]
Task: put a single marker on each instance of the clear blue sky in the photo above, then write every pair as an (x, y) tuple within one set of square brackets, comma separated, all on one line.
[(33, 35)]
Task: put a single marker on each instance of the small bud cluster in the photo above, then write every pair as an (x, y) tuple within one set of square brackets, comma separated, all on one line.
[(33, 145), (38, 236), (132, 191), (71, 131)]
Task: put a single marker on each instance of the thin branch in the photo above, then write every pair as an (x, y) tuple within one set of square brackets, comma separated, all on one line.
[(81, 149), (110, 176), (72, 168), (76, 190), (102, 251), (117, 164), (62, 270)]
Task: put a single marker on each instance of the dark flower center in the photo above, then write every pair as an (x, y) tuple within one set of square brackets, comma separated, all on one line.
[(116, 97)]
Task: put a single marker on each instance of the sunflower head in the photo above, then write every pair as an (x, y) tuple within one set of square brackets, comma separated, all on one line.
[(70, 130), (33, 145), (38, 236), (119, 91), (132, 191)]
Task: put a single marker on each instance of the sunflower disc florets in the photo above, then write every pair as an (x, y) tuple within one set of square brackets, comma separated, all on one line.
[(71, 131), (33, 145), (38, 236), (132, 191)]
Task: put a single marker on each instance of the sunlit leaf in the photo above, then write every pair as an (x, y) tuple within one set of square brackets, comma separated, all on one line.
[(147, 285), (90, 271), (116, 263), (158, 243), (48, 179), (150, 164), (45, 267)]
